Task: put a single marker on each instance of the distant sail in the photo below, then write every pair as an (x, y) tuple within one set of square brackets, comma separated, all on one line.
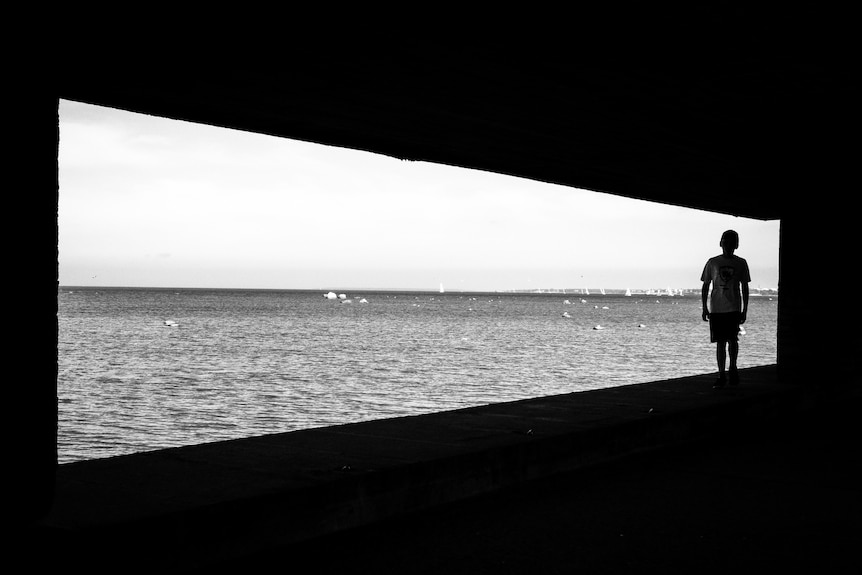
[(441, 287)]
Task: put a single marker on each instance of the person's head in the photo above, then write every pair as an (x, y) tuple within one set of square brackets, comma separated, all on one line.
[(729, 241)]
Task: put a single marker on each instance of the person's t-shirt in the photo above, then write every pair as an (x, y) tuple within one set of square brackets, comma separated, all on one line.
[(726, 274)]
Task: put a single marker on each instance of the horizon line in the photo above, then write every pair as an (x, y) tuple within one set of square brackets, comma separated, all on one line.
[(572, 291)]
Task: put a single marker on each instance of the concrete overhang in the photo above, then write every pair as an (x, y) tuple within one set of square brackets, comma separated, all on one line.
[(718, 115)]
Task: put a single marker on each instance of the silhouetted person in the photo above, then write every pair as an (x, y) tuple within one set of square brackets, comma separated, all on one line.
[(728, 304)]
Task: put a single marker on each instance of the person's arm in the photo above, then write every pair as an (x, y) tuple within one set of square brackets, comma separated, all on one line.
[(704, 294), (744, 302)]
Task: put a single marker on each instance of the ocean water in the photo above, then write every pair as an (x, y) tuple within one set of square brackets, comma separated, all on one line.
[(239, 363)]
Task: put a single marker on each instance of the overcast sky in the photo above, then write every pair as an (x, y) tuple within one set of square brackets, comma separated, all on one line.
[(146, 201)]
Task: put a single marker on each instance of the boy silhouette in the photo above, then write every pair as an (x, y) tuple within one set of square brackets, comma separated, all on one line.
[(728, 304)]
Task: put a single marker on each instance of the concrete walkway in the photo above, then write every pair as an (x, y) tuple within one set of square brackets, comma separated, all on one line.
[(668, 474), (782, 495)]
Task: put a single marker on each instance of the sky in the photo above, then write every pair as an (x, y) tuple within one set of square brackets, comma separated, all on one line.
[(151, 202)]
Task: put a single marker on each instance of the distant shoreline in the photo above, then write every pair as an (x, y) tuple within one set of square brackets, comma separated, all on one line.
[(586, 292)]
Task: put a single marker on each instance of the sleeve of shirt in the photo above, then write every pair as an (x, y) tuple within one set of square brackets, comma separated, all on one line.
[(705, 276), (746, 275)]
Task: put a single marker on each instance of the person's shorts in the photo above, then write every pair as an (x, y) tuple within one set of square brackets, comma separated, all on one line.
[(724, 326)]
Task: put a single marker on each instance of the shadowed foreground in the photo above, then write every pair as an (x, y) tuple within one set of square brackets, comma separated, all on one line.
[(777, 498), (667, 475)]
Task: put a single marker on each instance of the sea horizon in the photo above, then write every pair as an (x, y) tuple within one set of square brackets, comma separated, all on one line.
[(545, 291)]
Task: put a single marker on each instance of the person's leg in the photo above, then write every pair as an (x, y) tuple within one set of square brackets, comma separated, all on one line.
[(733, 348), (721, 358)]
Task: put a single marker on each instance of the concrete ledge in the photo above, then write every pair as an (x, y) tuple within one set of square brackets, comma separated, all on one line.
[(187, 507)]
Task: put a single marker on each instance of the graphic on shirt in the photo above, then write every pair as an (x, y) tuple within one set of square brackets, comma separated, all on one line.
[(726, 275)]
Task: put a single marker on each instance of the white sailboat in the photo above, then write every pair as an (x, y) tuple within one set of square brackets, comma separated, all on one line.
[(441, 287), (628, 293)]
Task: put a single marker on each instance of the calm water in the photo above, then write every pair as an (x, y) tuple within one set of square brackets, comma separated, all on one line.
[(251, 362)]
